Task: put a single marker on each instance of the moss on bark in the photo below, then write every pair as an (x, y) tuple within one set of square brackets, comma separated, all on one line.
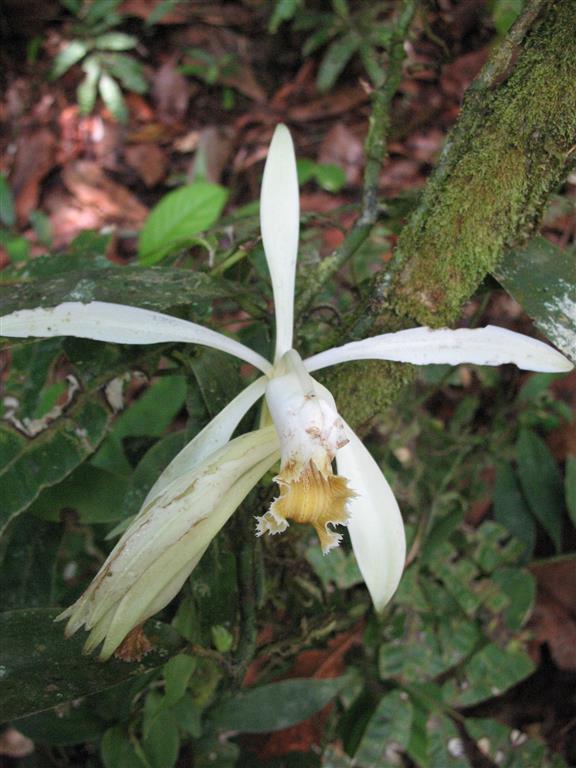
[(511, 148)]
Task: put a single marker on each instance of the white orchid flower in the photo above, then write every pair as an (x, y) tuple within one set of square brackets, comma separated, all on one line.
[(208, 479)]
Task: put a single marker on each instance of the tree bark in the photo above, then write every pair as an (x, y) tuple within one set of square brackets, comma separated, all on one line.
[(512, 146)]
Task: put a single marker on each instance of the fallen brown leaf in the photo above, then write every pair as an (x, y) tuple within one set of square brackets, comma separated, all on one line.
[(35, 158), (148, 160), (93, 189), (554, 619), (170, 93)]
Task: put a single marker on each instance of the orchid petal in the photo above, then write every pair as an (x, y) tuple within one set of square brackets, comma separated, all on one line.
[(280, 223), (214, 435), (375, 525), (422, 346), (166, 541), (118, 323)]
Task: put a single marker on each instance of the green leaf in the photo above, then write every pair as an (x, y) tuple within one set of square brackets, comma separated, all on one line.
[(511, 509), (39, 668), (519, 586), (149, 468), (7, 215), (340, 568), (490, 672), (112, 97), (28, 563), (217, 377), (445, 746), (177, 217), (87, 89), (505, 13), (541, 483), (283, 10), (94, 494), (276, 706), (155, 288), (570, 487), (42, 227), (68, 56), (391, 722), (128, 71), (117, 749), (148, 416), (30, 465), (115, 41), (69, 725), (330, 177), (334, 61), (177, 674), (542, 278), (161, 740)]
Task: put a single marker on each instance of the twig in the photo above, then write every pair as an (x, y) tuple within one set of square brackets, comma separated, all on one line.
[(375, 152)]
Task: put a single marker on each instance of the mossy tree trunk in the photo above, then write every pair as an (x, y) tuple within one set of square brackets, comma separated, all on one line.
[(512, 146)]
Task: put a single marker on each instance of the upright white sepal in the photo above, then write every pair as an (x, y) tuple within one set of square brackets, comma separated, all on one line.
[(375, 524), (280, 224), (103, 321), (421, 346)]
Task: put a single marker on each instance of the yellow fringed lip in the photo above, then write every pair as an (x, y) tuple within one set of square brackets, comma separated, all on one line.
[(316, 498)]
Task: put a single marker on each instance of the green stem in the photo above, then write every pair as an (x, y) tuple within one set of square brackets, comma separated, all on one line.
[(375, 153)]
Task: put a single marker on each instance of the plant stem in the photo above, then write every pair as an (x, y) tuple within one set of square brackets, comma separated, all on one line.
[(375, 153)]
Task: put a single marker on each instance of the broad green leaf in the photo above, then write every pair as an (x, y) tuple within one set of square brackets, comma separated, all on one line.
[(501, 746), (27, 466), (7, 215), (149, 468), (511, 509), (177, 674), (330, 177), (68, 56), (179, 216), (519, 586), (570, 487), (542, 278), (388, 729), (217, 377), (340, 568), (115, 41), (148, 416), (87, 89), (112, 97), (94, 494), (42, 227), (490, 672), (69, 725), (128, 71), (39, 668), (541, 483), (161, 739), (28, 563), (505, 13), (283, 10), (117, 749), (276, 706), (445, 745), (335, 60), (154, 288)]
